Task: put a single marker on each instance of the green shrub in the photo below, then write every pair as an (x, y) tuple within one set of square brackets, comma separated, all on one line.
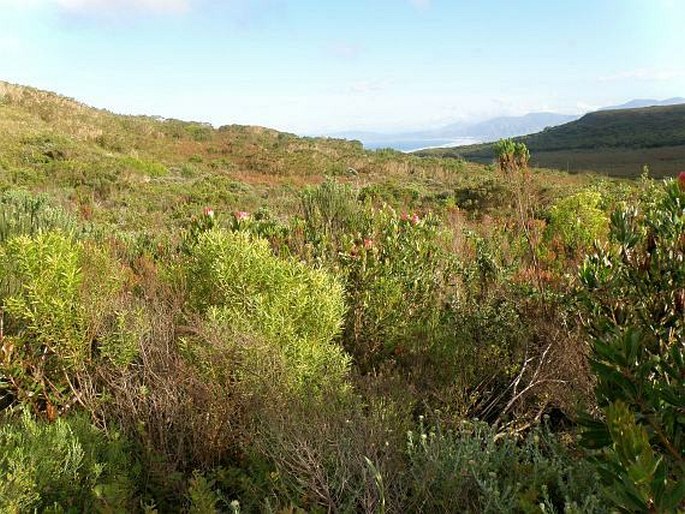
[(202, 495), (329, 211), (633, 300), (24, 214), (147, 167), (56, 295), (235, 279), (397, 275), (578, 221), (65, 466)]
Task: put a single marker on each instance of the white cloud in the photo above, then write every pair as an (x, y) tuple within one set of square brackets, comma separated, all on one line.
[(159, 6), (646, 74), (103, 6), (421, 4)]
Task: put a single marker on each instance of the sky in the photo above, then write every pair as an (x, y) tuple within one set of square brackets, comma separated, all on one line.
[(322, 66)]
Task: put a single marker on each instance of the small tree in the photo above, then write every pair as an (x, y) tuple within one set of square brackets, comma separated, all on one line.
[(512, 161)]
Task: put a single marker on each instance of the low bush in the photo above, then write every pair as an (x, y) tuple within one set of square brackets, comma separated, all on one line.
[(58, 303), (577, 221), (474, 469), (234, 279), (397, 275), (24, 214), (65, 466)]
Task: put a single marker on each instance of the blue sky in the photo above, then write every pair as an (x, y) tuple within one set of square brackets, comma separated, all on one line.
[(316, 66)]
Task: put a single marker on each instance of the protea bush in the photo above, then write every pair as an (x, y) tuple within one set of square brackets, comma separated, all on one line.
[(633, 299)]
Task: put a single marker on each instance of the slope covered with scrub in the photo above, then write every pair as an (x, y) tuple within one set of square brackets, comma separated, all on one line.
[(198, 319)]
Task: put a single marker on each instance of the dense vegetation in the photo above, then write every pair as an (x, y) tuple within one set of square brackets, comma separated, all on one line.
[(619, 142), (238, 320)]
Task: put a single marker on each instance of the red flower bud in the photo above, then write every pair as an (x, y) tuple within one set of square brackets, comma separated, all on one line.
[(681, 180)]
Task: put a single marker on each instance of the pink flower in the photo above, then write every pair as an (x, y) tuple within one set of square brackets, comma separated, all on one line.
[(681, 180), (368, 243), (208, 211), (404, 217), (241, 215), (415, 219)]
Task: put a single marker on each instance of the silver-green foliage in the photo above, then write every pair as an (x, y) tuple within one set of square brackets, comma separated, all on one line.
[(235, 280), (23, 213), (65, 466), (474, 469)]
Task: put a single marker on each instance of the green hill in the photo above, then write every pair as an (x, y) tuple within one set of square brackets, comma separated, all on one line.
[(618, 142), (136, 172)]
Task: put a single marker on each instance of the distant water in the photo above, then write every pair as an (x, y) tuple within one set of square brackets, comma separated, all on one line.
[(406, 145)]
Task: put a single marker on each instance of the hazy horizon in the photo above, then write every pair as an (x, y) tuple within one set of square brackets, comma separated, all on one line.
[(312, 68)]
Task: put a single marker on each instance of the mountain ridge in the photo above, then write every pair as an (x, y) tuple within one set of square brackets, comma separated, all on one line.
[(616, 141), (492, 129)]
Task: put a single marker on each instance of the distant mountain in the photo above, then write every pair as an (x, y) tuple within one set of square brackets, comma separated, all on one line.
[(460, 133), (639, 103), (617, 141), (507, 126), (465, 133)]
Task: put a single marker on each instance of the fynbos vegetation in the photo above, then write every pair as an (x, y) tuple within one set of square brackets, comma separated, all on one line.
[(239, 320)]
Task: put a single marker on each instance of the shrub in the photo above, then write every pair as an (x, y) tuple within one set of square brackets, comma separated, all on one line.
[(473, 469), (150, 168), (57, 301), (633, 301), (24, 214), (235, 280), (397, 275), (342, 457), (182, 402), (202, 495), (329, 211), (578, 221), (65, 466)]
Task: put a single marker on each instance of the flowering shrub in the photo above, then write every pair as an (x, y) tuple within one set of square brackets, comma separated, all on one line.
[(396, 272), (199, 224), (241, 216)]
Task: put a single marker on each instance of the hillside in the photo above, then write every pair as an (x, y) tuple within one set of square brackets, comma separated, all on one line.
[(618, 142), (145, 171), (114, 167)]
